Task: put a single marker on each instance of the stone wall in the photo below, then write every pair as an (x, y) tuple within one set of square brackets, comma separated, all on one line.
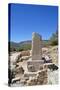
[(39, 79)]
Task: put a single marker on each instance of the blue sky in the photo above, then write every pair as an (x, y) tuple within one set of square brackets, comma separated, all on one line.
[(26, 19)]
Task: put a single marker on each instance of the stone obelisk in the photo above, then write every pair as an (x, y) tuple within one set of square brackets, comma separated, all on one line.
[(36, 46), (36, 62)]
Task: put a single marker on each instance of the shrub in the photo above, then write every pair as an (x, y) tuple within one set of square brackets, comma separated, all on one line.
[(24, 47), (54, 39)]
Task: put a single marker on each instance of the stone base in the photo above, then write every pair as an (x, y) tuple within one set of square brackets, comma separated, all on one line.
[(35, 65), (37, 78), (30, 74)]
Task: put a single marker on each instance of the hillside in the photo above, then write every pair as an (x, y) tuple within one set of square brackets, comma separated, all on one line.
[(23, 45)]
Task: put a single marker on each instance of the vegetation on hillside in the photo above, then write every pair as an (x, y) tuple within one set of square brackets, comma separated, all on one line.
[(54, 39), (26, 45)]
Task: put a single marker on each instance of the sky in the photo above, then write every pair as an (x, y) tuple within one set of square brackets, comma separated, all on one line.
[(25, 19)]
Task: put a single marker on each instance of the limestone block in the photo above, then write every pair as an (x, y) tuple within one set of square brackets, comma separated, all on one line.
[(36, 46), (31, 68), (30, 74), (34, 65), (20, 70)]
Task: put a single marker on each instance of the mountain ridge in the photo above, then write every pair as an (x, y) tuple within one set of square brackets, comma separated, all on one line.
[(18, 44)]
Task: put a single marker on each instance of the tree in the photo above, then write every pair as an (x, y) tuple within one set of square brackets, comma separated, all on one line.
[(54, 39)]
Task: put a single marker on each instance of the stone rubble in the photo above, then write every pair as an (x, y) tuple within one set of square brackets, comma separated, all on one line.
[(37, 66)]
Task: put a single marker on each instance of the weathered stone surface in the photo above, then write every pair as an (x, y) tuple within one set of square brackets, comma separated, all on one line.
[(20, 70), (37, 70), (42, 73), (14, 80), (36, 46), (24, 58), (31, 68), (34, 65), (40, 77), (30, 74), (32, 81), (23, 81), (25, 53)]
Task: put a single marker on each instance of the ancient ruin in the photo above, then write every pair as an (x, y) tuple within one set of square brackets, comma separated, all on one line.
[(31, 67), (36, 64)]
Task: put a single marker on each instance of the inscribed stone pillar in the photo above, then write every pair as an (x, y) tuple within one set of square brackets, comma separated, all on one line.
[(36, 46)]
